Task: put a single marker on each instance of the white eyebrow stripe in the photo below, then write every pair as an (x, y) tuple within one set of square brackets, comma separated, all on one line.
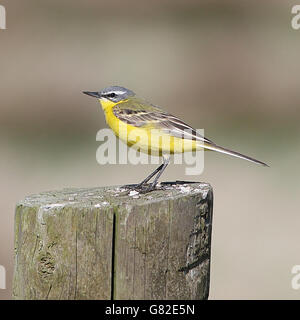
[(116, 92)]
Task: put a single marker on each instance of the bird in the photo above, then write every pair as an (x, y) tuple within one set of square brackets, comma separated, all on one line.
[(138, 123)]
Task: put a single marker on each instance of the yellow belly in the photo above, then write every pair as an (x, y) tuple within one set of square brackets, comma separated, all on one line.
[(148, 140)]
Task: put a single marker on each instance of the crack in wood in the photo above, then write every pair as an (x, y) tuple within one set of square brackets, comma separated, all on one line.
[(113, 271), (195, 264)]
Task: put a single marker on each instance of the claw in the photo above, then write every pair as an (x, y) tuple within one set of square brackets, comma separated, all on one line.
[(130, 186), (147, 188), (140, 188)]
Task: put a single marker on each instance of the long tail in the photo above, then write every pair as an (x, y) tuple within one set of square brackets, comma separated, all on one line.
[(232, 153)]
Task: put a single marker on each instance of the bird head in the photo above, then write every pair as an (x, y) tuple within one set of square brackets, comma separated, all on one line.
[(111, 95)]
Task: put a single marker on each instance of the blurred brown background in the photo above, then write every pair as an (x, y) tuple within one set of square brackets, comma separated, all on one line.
[(230, 67)]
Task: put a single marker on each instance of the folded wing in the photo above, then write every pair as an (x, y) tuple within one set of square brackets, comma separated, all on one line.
[(143, 114)]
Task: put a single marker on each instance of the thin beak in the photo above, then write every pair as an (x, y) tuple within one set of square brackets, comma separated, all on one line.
[(92, 94)]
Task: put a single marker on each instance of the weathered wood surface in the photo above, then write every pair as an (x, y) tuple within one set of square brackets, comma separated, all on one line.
[(103, 244)]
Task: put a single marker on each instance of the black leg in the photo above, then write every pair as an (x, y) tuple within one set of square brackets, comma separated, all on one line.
[(141, 184), (151, 175), (142, 187), (164, 165)]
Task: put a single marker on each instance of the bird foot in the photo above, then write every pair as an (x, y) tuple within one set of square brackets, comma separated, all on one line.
[(140, 188), (147, 188)]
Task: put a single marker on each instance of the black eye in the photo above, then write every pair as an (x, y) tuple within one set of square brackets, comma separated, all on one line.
[(111, 95)]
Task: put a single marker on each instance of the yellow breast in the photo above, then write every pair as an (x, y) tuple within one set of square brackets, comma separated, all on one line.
[(146, 139)]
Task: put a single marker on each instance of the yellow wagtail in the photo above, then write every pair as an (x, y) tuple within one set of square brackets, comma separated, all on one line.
[(140, 124)]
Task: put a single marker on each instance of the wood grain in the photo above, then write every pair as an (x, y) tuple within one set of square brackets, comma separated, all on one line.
[(102, 243)]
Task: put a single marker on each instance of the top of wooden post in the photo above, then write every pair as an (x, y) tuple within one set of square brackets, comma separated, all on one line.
[(112, 195)]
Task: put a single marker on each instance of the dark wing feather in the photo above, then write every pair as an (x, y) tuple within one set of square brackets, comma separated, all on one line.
[(142, 114)]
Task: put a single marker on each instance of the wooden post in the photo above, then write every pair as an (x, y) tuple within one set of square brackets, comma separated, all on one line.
[(102, 243)]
